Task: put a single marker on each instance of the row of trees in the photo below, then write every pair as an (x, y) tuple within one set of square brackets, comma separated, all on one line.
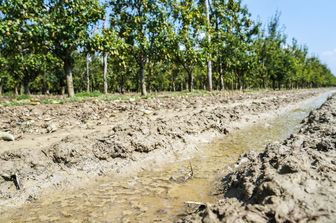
[(145, 45)]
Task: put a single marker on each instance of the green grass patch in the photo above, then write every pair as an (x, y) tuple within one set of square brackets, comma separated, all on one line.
[(93, 94), (23, 97), (14, 103), (9, 94)]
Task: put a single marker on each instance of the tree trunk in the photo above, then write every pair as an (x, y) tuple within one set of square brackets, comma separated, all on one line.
[(1, 88), (263, 83), (21, 89), (173, 86), (221, 76), (239, 82), (209, 62), (25, 85), (16, 90), (122, 84), (88, 72), (105, 72), (63, 90), (149, 86), (209, 75), (68, 74), (273, 84), (190, 81), (149, 77), (62, 86), (45, 87), (142, 77)]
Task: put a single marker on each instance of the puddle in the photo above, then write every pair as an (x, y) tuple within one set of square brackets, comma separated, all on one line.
[(159, 195)]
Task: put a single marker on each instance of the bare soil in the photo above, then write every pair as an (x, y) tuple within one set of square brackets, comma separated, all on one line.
[(292, 181), (59, 146)]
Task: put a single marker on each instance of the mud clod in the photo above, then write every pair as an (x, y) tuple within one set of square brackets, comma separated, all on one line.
[(6, 136)]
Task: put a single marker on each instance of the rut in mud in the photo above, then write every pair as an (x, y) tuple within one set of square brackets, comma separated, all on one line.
[(292, 181)]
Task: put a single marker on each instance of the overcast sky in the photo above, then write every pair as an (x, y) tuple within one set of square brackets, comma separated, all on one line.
[(311, 22)]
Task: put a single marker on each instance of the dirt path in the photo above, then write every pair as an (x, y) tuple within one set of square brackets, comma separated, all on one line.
[(64, 145), (292, 181)]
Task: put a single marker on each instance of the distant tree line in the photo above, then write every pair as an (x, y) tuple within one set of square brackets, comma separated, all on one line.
[(68, 46)]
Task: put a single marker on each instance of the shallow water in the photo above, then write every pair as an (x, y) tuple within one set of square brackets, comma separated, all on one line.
[(159, 195)]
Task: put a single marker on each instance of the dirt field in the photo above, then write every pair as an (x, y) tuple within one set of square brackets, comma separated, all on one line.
[(59, 146), (292, 181)]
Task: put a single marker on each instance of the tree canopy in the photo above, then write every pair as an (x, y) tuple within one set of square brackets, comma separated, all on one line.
[(60, 46)]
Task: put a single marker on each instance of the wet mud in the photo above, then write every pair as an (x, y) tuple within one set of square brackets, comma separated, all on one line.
[(291, 181)]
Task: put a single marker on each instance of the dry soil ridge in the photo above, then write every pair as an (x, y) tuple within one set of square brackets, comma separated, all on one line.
[(96, 138)]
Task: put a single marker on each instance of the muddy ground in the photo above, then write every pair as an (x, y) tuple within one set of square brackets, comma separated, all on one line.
[(292, 181), (59, 146)]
